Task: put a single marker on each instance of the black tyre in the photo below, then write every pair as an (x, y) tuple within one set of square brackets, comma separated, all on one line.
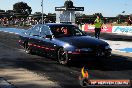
[(62, 56), (108, 56), (27, 48)]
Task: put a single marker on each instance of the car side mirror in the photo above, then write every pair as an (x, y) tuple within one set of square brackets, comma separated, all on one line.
[(48, 36)]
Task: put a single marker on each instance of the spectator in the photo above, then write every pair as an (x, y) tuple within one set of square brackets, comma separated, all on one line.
[(129, 21), (98, 26)]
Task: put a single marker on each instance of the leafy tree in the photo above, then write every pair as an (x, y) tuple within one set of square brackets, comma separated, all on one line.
[(22, 7), (10, 12), (38, 13), (78, 14), (51, 14), (98, 14), (2, 10)]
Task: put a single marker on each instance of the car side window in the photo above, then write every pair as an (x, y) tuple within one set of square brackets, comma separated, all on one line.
[(28, 32), (35, 31), (45, 31), (76, 31)]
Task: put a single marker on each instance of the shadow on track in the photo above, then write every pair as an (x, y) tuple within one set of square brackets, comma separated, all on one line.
[(69, 74), (115, 63)]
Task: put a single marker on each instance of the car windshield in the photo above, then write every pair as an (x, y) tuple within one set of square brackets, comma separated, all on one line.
[(66, 30)]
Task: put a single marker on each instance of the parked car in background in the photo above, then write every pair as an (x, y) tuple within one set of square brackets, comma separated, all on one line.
[(63, 42)]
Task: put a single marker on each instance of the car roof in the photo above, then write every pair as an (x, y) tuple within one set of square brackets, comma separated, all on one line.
[(54, 24)]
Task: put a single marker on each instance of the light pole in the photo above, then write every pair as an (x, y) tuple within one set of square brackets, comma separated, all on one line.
[(42, 11)]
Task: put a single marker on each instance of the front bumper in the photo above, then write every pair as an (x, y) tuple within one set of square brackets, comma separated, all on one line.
[(88, 55)]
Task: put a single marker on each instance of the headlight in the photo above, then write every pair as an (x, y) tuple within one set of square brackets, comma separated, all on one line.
[(84, 49), (107, 47), (66, 45)]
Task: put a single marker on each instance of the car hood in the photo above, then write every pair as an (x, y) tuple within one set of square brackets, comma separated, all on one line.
[(83, 41)]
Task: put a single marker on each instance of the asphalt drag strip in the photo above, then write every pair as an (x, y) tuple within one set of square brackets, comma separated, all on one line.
[(34, 71), (10, 72)]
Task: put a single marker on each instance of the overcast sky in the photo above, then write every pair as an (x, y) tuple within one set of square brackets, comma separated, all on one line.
[(106, 7)]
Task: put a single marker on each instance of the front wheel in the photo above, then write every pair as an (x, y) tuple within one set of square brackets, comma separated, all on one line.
[(62, 56)]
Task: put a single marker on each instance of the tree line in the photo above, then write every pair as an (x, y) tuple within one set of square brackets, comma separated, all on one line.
[(23, 10)]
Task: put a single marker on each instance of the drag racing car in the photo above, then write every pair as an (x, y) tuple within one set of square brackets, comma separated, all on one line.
[(63, 42)]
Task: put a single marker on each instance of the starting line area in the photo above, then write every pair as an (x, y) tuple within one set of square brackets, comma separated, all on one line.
[(120, 46)]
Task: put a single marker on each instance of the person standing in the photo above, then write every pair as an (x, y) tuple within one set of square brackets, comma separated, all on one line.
[(98, 25), (129, 21)]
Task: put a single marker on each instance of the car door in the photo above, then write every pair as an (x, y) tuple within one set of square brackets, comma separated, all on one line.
[(47, 43), (34, 38)]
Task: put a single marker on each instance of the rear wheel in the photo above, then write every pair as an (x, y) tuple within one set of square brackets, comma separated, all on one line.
[(62, 56), (27, 48)]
